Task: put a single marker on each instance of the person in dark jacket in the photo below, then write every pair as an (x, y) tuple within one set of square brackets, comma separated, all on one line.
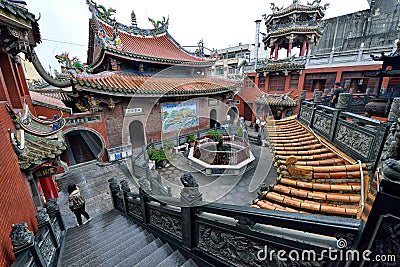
[(77, 204), (335, 97)]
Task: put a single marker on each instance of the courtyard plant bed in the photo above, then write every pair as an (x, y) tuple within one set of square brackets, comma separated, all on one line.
[(214, 135), (160, 156), (191, 139)]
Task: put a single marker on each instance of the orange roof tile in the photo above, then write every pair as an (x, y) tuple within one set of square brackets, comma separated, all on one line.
[(131, 84)]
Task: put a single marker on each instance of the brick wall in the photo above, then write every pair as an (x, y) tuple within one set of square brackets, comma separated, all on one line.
[(15, 196)]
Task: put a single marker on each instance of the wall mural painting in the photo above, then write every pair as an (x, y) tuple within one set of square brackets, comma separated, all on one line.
[(176, 117)]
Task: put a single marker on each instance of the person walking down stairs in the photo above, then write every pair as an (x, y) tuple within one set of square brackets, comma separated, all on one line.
[(77, 204)]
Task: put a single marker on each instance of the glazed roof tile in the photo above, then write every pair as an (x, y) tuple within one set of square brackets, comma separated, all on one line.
[(42, 98), (276, 100), (130, 84), (314, 178), (36, 140), (160, 48)]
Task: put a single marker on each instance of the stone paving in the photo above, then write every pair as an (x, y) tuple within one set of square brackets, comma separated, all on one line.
[(229, 189), (236, 190)]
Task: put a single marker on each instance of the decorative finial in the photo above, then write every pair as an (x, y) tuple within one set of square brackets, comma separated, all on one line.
[(133, 19)]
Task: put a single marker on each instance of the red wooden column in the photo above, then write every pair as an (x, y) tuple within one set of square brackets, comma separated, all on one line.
[(276, 51), (271, 53), (303, 47), (290, 48)]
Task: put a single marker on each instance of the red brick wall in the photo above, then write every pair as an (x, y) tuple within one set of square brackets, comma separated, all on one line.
[(15, 196)]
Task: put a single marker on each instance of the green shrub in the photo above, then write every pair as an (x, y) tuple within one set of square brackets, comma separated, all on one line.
[(191, 138), (214, 135), (160, 155)]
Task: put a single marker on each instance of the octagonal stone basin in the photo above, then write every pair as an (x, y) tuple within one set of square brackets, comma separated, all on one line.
[(236, 160)]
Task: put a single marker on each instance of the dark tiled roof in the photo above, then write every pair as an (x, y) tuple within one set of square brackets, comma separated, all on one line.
[(129, 84), (277, 100), (281, 66), (45, 99), (42, 139), (314, 177), (159, 48)]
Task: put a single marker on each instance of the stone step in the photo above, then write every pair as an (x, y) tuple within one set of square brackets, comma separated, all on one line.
[(127, 252), (156, 257), (78, 249), (90, 233), (190, 263), (132, 244), (175, 259), (140, 254), (99, 250), (103, 219)]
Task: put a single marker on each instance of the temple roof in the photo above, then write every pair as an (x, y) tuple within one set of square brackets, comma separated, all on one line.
[(18, 16), (273, 66), (130, 42), (276, 100), (314, 176), (36, 140), (313, 8), (44, 100), (129, 84)]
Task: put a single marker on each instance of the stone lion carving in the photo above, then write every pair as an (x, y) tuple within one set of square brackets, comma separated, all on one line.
[(21, 236), (188, 180)]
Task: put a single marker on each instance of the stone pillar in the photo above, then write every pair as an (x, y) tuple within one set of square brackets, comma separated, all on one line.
[(303, 95), (317, 96), (394, 113), (351, 91), (190, 196), (326, 92), (114, 189), (125, 189), (53, 210), (43, 220), (343, 101)]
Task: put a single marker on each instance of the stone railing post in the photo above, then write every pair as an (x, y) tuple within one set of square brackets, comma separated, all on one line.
[(303, 95), (114, 189), (125, 189), (144, 191), (317, 97), (43, 220), (24, 240), (326, 98), (394, 113), (343, 101), (190, 196), (53, 210)]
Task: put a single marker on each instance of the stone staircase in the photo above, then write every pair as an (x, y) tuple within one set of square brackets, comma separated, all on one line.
[(113, 240)]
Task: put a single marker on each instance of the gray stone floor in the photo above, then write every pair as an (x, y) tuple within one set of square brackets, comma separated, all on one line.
[(236, 190)]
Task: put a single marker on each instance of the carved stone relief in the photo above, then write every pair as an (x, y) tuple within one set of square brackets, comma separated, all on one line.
[(135, 210), (306, 113), (322, 123), (168, 223), (47, 249), (21, 237), (356, 140)]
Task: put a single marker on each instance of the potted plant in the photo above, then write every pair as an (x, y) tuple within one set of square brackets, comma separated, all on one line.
[(161, 157), (214, 135), (191, 139)]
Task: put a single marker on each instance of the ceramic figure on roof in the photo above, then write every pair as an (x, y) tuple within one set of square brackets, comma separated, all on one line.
[(274, 8), (159, 23), (73, 64), (100, 11), (315, 2)]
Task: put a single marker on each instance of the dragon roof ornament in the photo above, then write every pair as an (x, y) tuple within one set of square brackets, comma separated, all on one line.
[(100, 12)]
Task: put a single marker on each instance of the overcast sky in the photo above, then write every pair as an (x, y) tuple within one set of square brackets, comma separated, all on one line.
[(220, 23)]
